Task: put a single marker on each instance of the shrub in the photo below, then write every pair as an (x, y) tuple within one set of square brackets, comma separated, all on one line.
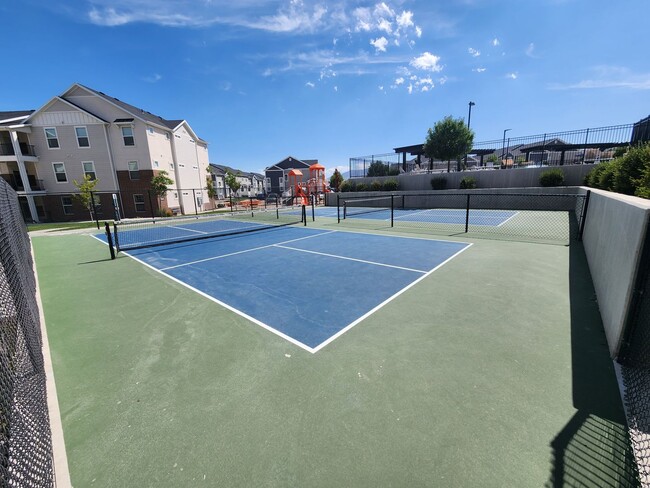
[(467, 183), (593, 178), (552, 177), (390, 185), (630, 169), (361, 187), (375, 185), (393, 172), (165, 212), (348, 185), (438, 183)]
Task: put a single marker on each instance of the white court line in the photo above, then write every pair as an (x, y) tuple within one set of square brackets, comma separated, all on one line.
[(185, 228), (511, 217), (415, 212), (367, 314), (244, 251), (349, 259)]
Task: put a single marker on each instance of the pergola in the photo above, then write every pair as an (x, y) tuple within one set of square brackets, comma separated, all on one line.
[(417, 150)]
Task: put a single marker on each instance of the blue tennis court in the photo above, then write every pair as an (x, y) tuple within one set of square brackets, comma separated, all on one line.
[(308, 286)]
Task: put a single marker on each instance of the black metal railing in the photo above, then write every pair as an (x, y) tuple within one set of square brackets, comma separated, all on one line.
[(582, 146), (25, 149)]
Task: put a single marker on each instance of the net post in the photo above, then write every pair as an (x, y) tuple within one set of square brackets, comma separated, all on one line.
[(109, 239), (583, 217), (313, 210), (338, 208), (196, 210), (92, 202), (392, 209), (467, 215), (304, 215), (251, 202), (230, 197), (117, 239)]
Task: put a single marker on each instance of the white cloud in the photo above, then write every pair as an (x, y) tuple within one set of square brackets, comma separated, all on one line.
[(410, 88), (405, 19), (154, 78), (384, 25), (609, 77), (418, 31), (426, 88), (495, 42), (474, 52), (479, 70), (427, 62), (530, 50), (381, 9), (310, 84), (399, 81), (512, 76), (336, 88), (380, 43)]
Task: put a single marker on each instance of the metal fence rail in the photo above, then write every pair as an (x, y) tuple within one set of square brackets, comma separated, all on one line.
[(25, 438), (550, 218), (582, 146)]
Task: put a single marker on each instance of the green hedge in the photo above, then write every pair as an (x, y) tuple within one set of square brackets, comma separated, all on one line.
[(628, 174), (552, 177), (467, 183)]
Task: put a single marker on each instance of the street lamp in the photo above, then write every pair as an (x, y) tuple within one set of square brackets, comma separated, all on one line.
[(469, 115), (503, 145)]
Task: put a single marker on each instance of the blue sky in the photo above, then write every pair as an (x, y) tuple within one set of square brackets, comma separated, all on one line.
[(261, 80)]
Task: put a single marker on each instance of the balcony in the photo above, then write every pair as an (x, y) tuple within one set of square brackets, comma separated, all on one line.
[(17, 184), (25, 149)]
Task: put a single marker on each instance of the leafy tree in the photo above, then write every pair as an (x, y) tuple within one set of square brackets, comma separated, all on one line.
[(85, 195), (209, 184), (378, 168), (231, 181), (449, 139), (160, 185), (336, 180)]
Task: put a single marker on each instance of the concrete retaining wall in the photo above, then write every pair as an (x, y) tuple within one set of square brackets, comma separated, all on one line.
[(574, 175), (615, 231)]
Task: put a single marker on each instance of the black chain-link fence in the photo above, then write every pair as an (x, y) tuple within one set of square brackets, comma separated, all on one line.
[(635, 360), (552, 218), (25, 439)]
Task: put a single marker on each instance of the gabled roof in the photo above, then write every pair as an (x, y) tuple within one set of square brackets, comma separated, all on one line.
[(16, 117), (301, 163), (67, 102)]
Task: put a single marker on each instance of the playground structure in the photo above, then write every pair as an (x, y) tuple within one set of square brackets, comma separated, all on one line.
[(315, 186)]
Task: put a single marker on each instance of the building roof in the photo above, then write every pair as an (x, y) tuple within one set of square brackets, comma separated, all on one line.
[(16, 114)]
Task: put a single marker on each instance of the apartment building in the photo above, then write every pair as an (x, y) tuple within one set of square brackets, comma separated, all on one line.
[(86, 132), (251, 184)]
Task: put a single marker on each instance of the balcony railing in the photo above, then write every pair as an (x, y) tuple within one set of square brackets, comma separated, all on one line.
[(25, 149), (17, 184)]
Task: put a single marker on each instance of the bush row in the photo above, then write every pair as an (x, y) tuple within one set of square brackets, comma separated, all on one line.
[(628, 174), (552, 177), (376, 185)]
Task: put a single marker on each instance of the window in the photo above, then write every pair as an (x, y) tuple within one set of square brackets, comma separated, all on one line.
[(59, 172), (89, 169), (127, 135), (66, 201), (138, 200), (155, 164), (150, 130), (98, 203), (82, 136), (134, 172), (199, 201), (181, 165), (167, 135), (52, 138), (171, 165)]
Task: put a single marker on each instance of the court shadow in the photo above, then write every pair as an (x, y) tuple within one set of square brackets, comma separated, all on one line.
[(593, 448)]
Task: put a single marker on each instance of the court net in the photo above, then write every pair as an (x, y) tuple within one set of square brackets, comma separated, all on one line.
[(361, 206), (157, 232)]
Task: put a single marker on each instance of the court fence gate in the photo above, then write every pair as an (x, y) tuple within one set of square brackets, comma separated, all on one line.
[(26, 457)]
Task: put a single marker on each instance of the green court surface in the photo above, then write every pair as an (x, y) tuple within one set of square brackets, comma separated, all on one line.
[(492, 372)]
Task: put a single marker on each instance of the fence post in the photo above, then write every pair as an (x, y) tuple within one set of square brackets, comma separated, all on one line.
[(338, 208), (153, 216), (584, 152), (196, 210), (392, 209), (583, 217), (92, 202), (250, 199), (467, 215)]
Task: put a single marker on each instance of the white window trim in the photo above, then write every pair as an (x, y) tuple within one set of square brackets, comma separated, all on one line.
[(47, 139), (122, 127), (77, 137), (64, 172), (128, 168), (83, 168), (135, 204)]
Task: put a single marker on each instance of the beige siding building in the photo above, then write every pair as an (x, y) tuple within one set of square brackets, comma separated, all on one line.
[(86, 132)]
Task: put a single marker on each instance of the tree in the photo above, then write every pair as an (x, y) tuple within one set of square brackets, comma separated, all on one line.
[(378, 168), (449, 139), (160, 185), (209, 185), (85, 196), (231, 181), (336, 180)]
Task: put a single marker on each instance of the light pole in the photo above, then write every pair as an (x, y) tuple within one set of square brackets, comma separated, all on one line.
[(469, 115), (469, 118), (503, 145)]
